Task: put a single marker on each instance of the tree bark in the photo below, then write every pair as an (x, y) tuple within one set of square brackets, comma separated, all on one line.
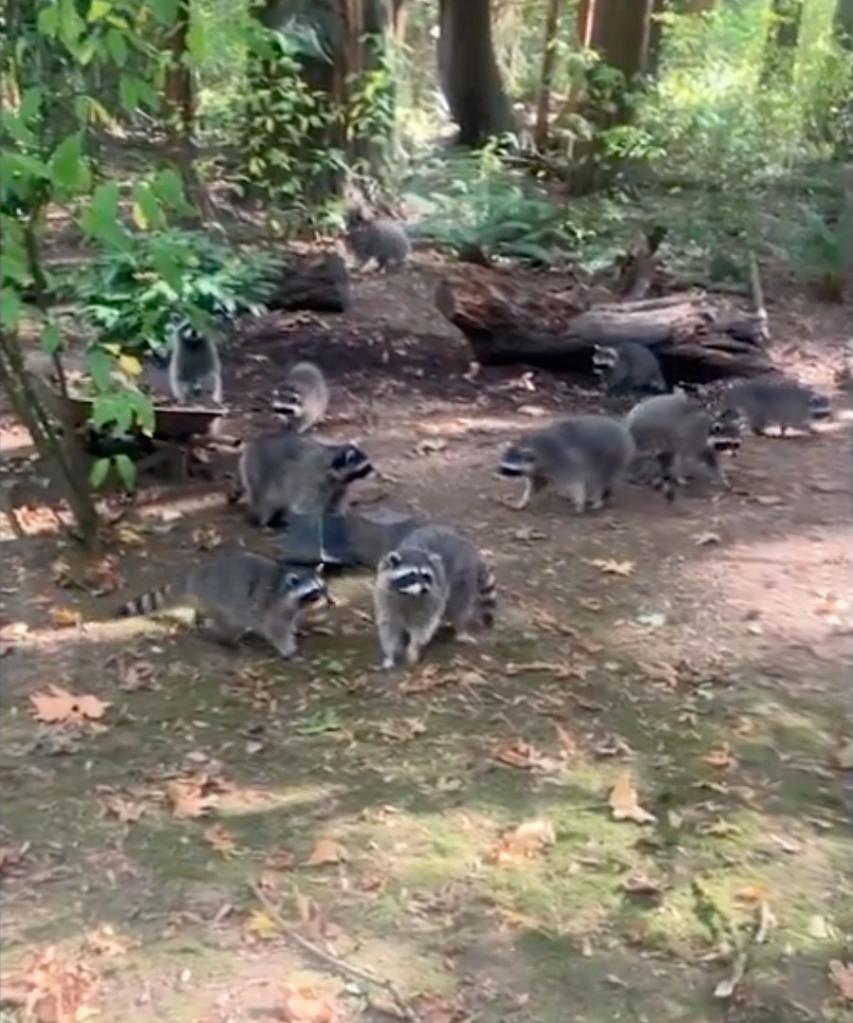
[(619, 30), (695, 339), (843, 23), (780, 49), (549, 58), (468, 72)]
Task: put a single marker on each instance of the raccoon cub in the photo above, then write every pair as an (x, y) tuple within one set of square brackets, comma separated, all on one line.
[(238, 592), (777, 402), (383, 240), (581, 456), (285, 472), (628, 367), (676, 429), (435, 575), (303, 398), (195, 374)]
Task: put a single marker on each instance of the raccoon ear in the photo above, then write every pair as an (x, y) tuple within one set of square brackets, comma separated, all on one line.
[(318, 569), (393, 559)]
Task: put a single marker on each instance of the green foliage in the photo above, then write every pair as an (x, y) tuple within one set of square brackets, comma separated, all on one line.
[(131, 295), (819, 247), (473, 206)]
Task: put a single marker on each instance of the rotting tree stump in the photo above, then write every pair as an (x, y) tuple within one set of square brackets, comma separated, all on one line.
[(318, 283), (695, 338)]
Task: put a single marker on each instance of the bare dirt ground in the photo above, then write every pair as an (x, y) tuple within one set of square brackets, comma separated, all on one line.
[(705, 649)]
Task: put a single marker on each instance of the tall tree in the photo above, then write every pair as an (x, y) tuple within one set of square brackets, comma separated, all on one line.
[(549, 58), (179, 93), (844, 23), (618, 30), (783, 34), (468, 71)]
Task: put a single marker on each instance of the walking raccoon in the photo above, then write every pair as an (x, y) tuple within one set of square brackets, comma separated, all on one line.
[(237, 592), (580, 457), (383, 240), (303, 398), (777, 402), (434, 575), (628, 367)]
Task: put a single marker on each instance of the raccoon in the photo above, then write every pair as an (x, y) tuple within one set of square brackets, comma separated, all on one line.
[(435, 575), (676, 429), (237, 592), (285, 472), (383, 240), (783, 403), (628, 367), (303, 398), (581, 456), (195, 374)]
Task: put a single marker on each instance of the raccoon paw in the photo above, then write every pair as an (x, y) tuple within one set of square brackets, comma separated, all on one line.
[(388, 664)]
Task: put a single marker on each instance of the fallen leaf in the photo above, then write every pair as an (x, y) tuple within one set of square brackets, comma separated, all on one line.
[(430, 446), (188, 798), (639, 884), (105, 942), (719, 758), (703, 539), (56, 705), (752, 893), (206, 538), (610, 567), (568, 746), (528, 533), (435, 1009), (10, 859), (124, 809), (768, 499), (259, 924), (653, 619), (326, 851), (50, 988), (304, 1005), (65, 617), (660, 671), (518, 754), (624, 802), (524, 842), (841, 975), (279, 859), (220, 838)]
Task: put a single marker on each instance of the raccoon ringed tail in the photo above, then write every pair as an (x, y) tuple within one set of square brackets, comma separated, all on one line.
[(146, 603), (486, 594)]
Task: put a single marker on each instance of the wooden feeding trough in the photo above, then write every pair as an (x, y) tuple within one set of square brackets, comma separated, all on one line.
[(177, 429)]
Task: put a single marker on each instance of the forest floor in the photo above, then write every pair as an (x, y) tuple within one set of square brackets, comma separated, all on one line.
[(450, 829)]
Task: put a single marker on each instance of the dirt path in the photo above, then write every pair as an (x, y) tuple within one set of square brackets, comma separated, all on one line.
[(705, 648)]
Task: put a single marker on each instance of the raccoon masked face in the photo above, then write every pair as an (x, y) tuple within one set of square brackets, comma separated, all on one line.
[(306, 587), (188, 336), (604, 358), (726, 431), (286, 403), (518, 461), (412, 577), (351, 463)]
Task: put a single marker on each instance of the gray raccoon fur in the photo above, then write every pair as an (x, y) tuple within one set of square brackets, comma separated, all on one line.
[(303, 398), (195, 374), (284, 472), (777, 402), (677, 430), (628, 366), (580, 456), (434, 575), (238, 592), (384, 240)]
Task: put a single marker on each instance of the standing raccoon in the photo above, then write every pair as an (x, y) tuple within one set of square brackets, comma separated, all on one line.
[(628, 367), (580, 457), (383, 240), (435, 575), (237, 593), (676, 429), (777, 402), (303, 398), (284, 472), (195, 374)]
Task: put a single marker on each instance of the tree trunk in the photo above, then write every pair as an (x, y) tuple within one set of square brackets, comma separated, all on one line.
[(549, 57), (780, 50), (843, 23), (619, 30), (399, 20), (694, 339), (468, 72)]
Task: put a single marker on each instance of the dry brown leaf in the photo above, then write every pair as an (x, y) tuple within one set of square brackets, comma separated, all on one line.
[(430, 446), (703, 539), (611, 567), (751, 893), (50, 988), (624, 802), (124, 809), (640, 884), (65, 617), (105, 942), (188, 798), (326, 851), (220, 838), (719, 758), (304, 1005), (206, 538), (524, 842), (435, 1009), (516, 754), (11, 859), (279, 859), (260, 925), (568, 745), (841, 975), (56, 705)]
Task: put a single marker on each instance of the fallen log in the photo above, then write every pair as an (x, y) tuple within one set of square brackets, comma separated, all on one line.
[(695, 338), (319, 283)]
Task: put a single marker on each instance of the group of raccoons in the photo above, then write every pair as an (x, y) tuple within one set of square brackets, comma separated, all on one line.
[(435, 576)]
